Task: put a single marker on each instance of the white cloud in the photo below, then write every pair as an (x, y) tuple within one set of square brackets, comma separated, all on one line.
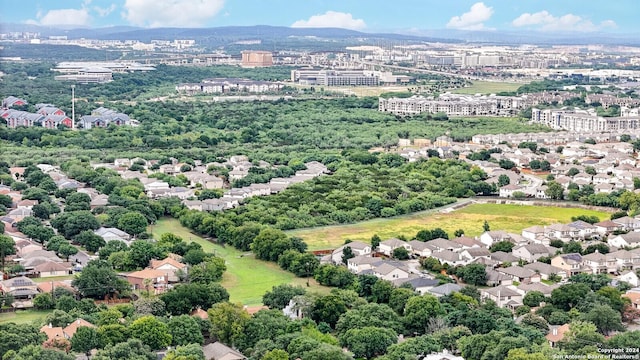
[(78, 17), (545, 21), (102, 12), (331, 19), (184, 13), (473, 19)]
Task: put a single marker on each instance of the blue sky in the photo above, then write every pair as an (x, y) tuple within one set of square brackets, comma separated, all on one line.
[(365, 15)]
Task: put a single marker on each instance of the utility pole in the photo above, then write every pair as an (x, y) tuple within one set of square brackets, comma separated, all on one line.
[(73, 106)]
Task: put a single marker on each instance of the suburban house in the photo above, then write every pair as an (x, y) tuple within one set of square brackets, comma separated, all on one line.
[(570, 263), (52, 332), (625, 260), (386, 247), (629, 277), (110, 234), (598, 263), (520, 274), (148, 279), (421, 248), (488, 238), (449, 257), (495, 278), (220, 351), (475, 253), (503, 296), (585, 230), (390, 271), (556, 334), (546, 270), (534, 232), (23, 290), (71, 329), (441, 244), (169, 266), (544, 289), (52, 268), (362, 263), (631, 239), (607, 227), (357, 248), (532, 252), (420, 284), (445, 289)]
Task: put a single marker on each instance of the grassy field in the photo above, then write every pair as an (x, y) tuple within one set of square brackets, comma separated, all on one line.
[(512, 218), (246, 278), (487, 87), (25, 317)]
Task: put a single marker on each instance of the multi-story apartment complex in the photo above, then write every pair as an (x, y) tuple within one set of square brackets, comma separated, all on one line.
[(454, 105), (225, 85), (582, 120)]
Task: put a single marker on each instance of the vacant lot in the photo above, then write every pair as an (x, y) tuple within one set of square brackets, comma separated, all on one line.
[(35, 317), (512, 218), (487, 87), (246, 278)]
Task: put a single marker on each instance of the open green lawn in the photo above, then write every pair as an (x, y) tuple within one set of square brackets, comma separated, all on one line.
[(25, 317), (487, 87), (246, 278), (512, 218)]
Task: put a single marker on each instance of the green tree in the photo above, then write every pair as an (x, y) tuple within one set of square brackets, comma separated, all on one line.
[(131, 349), (400, 253), (7, 247), (485, 226), (567, 296), (112, 334), (368, 342), (328, 309), (264, 325), (66, 250), (133, 223), (98, 280), (554, 190), (184, 330), (43, 301), (276, 354), (473, 274), (228, 321), (70, 224), (418, 311), (378, 315), (533, 298), (280, 295), (505, 246), (17, 336), (85, 339), (151, 332), (186, 352), (90, 241), (347, 253), (604, 318), (185, 298), (208, 271)]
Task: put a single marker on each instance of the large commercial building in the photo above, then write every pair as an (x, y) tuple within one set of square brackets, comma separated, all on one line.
[(336, 77), (227, 85), (257, 59), (582, 120)]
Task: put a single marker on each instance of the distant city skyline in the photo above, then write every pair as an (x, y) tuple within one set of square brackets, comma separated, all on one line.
[(402, 16)]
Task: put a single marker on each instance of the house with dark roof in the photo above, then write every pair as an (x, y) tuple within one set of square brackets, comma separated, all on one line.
[(570, 263), (520, 274), (445, 289)]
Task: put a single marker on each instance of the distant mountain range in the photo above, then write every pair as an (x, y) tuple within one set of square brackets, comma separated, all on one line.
[(228, 34)]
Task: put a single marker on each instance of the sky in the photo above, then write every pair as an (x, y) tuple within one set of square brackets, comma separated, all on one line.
[(404, 16)]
